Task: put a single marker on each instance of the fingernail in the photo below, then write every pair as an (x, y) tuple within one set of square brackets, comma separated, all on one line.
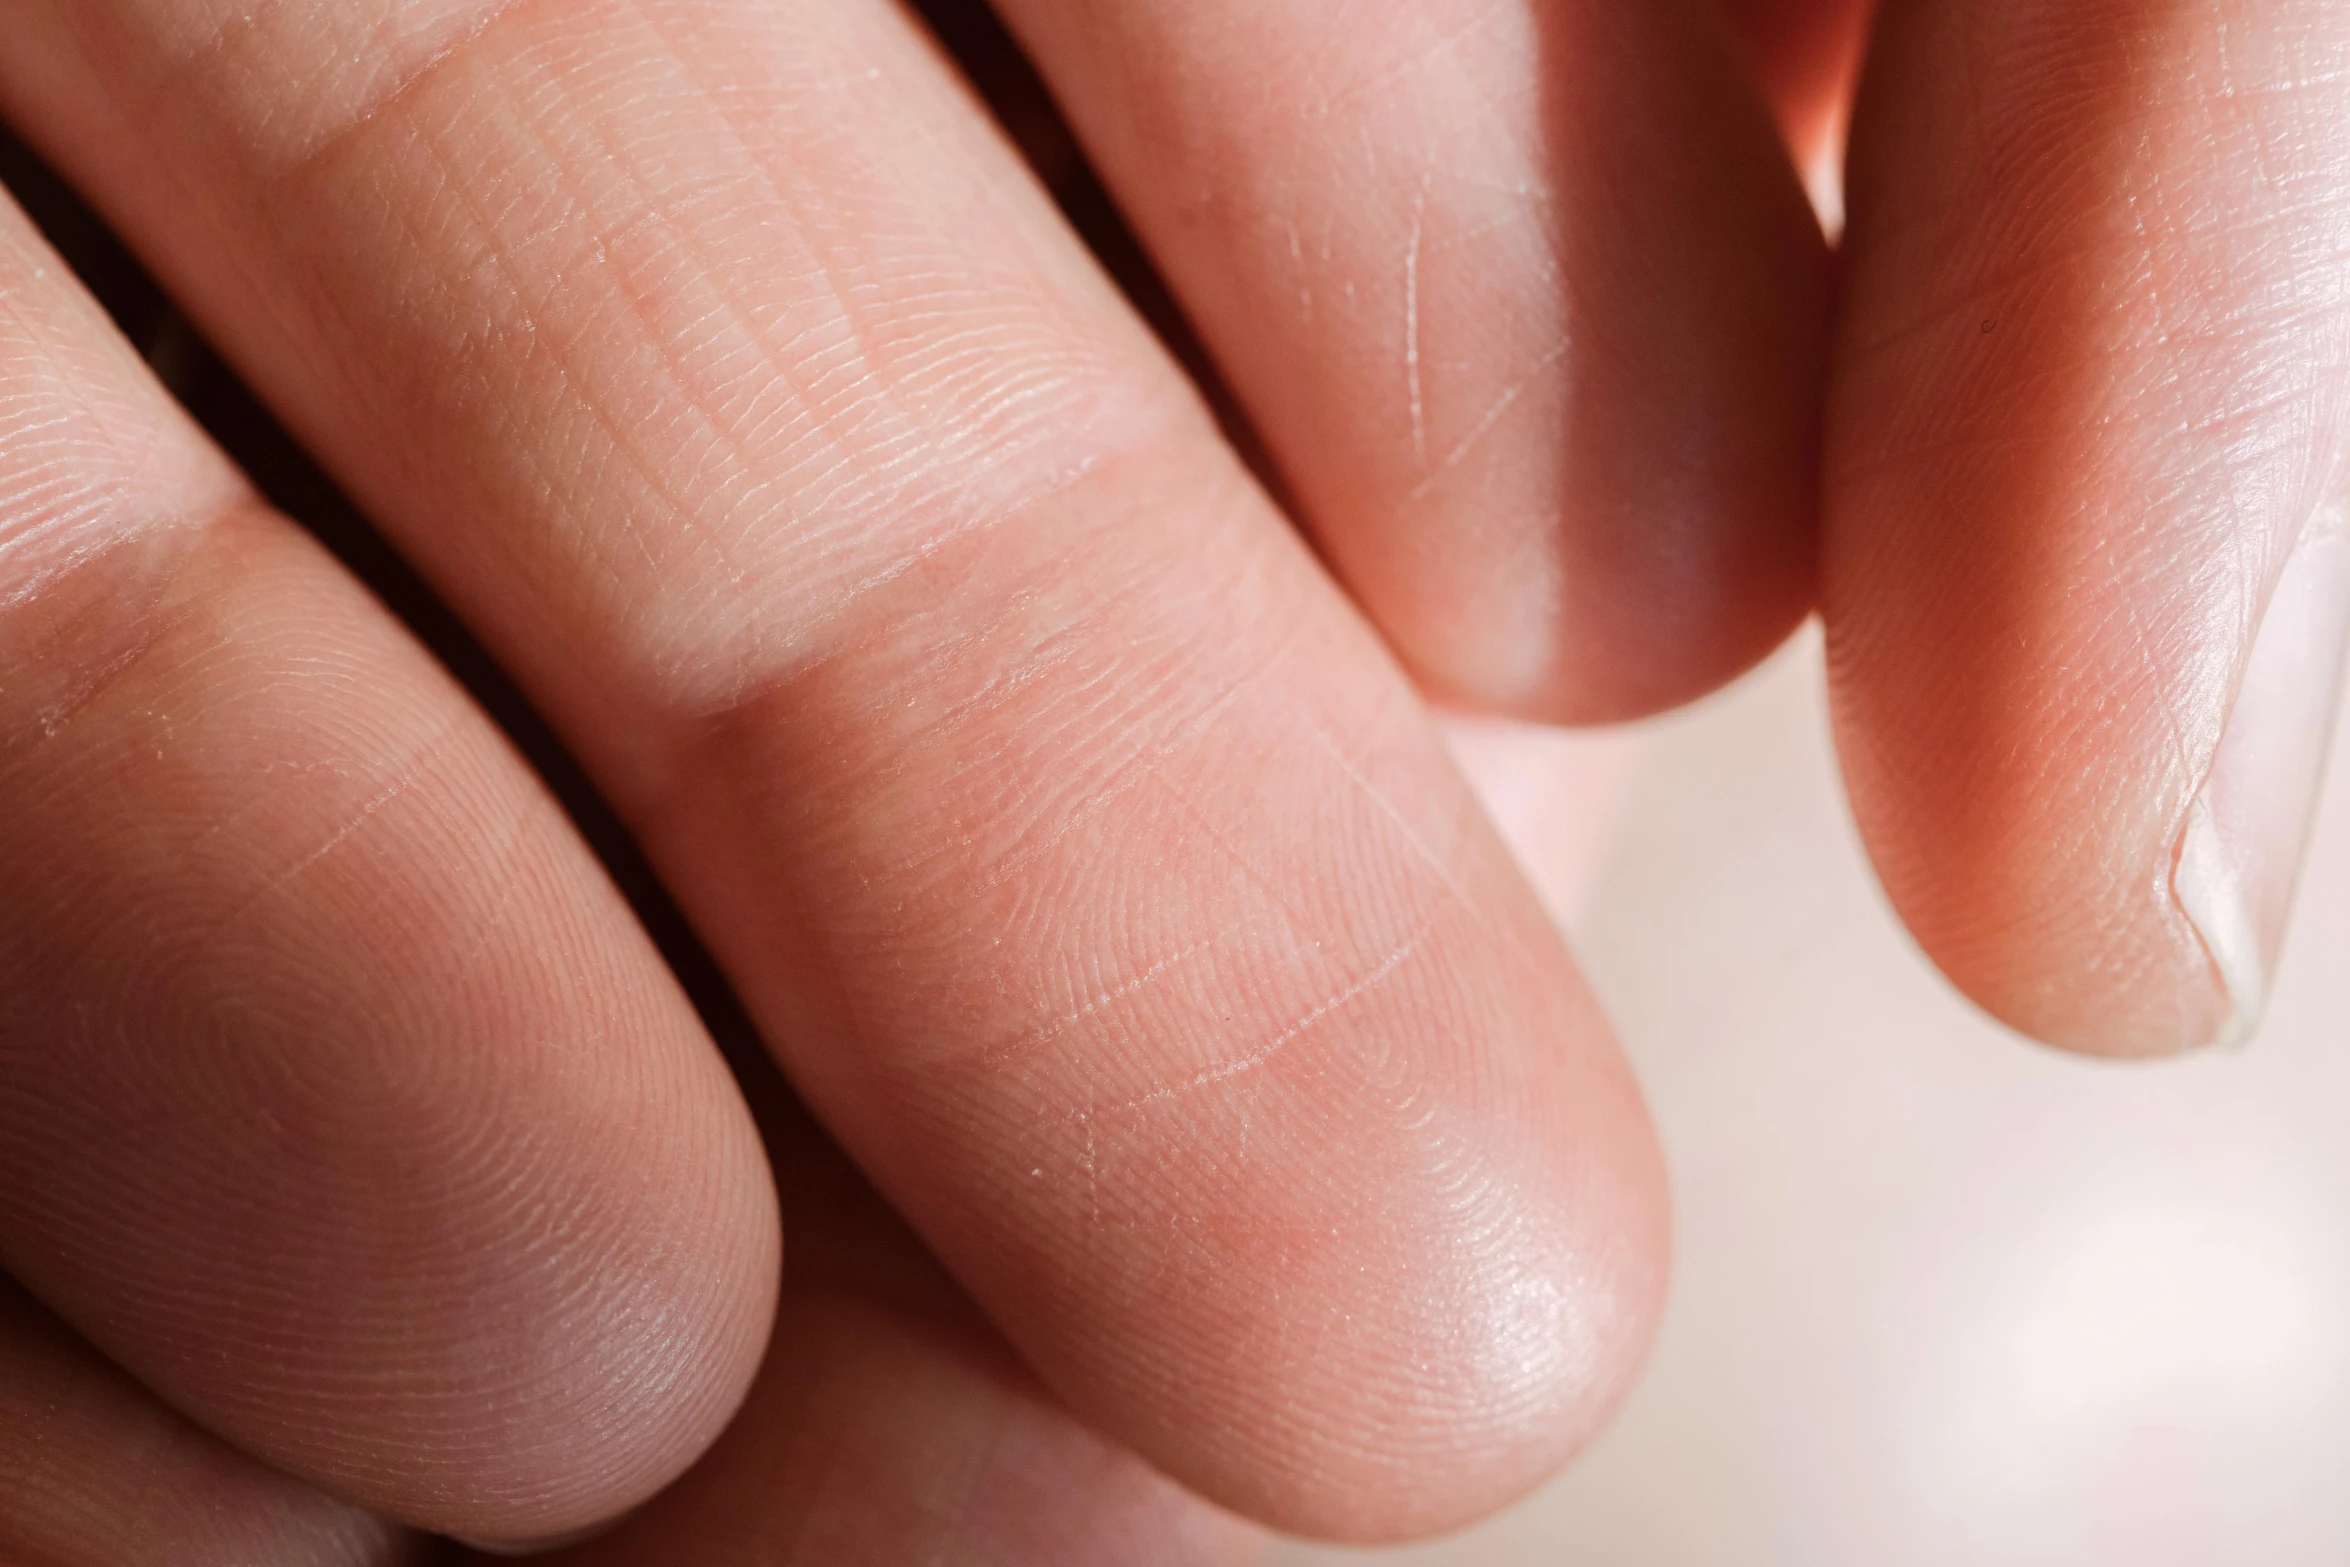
[(2240, 854)]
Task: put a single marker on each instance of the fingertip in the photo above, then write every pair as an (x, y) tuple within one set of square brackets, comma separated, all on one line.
[(2082, 435), (378, 1138), (1463, 1331), (1641, 641), (1497, 1407)]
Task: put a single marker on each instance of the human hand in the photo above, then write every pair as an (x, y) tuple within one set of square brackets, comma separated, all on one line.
[(1097, 877)]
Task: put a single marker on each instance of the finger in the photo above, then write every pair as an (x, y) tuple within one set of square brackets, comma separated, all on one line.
[(1103, 885), (1525, 300), (2086, 583), (889, 1427), (340, 1099), (872, 1441), (94, 1473)]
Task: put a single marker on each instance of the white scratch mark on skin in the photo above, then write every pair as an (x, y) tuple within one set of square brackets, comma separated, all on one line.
[(1280, 1041), (1142, 981), (1062, 1024), (1483, 427), (1411, 325), (1093, 1167), (1302, 272), (412, 773), (366, 813), (1437, 864)]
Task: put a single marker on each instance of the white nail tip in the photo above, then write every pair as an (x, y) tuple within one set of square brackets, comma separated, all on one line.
[(2210, 890), (2239, 851)]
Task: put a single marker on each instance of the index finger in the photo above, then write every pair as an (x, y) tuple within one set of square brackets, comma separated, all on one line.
[(2089, 447)]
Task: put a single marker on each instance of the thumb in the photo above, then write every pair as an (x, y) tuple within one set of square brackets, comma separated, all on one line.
[(2085, 578)]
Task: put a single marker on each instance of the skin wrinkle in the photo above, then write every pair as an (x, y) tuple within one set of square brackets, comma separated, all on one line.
[(84, 503), (1045, 836), (30, 523), (222, 823), (905, 314), (676, 513), (54, 719), (1425, 54), (724, 307), (1040, 416), (53, 493), (1359, 986), (1024, 847), (1093, 467), (412, 60), (1978, 298), (2036, 184), (474, 352), (1055, 650), (488, 231)]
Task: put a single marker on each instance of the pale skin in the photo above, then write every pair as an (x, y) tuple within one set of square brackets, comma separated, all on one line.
[(1075, 832)]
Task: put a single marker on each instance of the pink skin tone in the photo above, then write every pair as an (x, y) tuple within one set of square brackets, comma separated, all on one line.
[(1078, 838), (2089, 411)]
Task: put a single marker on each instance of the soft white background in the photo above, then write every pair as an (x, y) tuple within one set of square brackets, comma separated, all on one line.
[(1941, 1297)]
